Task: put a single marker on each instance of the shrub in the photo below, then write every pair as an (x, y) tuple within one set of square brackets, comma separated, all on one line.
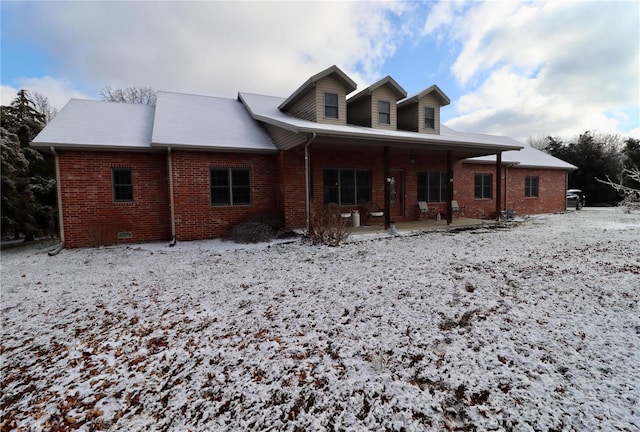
[(260, 227), (327, 227)]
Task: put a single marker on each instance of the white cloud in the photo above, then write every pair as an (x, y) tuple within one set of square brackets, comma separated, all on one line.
[(216, 48), (557, 67), (57, 91)]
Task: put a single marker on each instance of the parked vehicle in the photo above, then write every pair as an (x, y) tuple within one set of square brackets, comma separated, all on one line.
[(576, 199)]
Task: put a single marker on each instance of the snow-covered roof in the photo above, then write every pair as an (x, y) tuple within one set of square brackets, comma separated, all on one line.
[(184, 120), (386, 81), (265, 109), (444, 99), (85, 123), (334, 70), (528, 157)]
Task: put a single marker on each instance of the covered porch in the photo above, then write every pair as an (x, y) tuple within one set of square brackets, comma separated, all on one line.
[(423, 226)]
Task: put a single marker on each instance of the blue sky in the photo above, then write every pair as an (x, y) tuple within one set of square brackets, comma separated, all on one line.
[(522, 69)]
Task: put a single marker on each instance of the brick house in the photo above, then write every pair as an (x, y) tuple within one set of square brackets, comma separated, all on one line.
[(191, 166)]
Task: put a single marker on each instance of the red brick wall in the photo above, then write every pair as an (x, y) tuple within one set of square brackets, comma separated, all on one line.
[(373, 159), (291, 166), (91, 217), (195, 217), (551, 190)]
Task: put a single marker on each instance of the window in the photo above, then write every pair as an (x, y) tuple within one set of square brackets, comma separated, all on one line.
[(122, 181), (432, 186), (483, 186), (531, 186), (230, 186), (346, 186), (384, 112), (330, 105), (429, 118)]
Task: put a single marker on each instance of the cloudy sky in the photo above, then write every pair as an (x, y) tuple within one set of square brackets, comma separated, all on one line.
[(522, 69)]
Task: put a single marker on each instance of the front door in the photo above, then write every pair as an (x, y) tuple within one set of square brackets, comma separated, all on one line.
[(396, 194)]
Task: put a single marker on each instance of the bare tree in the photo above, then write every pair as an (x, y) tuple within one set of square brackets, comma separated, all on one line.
[(42, 105), (133, 95), (631, 195)]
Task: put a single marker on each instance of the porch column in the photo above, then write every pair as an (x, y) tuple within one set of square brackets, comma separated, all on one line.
[(449, 188), (387, 195), (498, 185)]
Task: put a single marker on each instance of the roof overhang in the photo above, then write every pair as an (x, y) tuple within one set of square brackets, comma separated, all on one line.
[(444, 99), (334, 70), (397, 90)]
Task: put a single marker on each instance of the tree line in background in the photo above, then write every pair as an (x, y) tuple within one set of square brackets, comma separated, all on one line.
[(607, 164), (28, 178)]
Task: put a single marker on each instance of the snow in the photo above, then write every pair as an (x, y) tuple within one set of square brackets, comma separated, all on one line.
[(265, 108), (531, 327), (86, 123), (206, 122)]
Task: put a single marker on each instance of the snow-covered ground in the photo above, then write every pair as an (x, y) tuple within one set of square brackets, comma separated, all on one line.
[(532, 328)]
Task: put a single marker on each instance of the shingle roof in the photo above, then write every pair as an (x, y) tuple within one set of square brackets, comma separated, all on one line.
[(179, 120), (388, 81), (184, 120), (265, 109), (528, 157), (444, 99), (84, 123), (348, 83)]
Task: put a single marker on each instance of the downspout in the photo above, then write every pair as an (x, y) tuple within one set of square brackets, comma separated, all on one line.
[(59, 202), (171, 203), (307, 177)]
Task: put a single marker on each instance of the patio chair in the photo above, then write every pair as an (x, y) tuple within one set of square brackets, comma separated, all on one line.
[(424, 209), (456, 209), (335, 209), (374, 212)]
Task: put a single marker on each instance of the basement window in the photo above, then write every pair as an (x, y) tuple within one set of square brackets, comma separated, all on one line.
[(122, 184), (230, 186)]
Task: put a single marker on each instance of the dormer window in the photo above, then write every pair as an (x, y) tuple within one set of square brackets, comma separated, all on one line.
[(429, 118), (331, 105), (384, 112)]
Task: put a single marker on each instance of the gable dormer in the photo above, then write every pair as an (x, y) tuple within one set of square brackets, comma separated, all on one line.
[(322, 98), (376, 106), (421, 112)]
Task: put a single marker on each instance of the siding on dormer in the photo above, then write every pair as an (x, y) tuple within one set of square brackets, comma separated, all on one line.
[(305, 107), (431, 102), (330, 85), (383, 94)]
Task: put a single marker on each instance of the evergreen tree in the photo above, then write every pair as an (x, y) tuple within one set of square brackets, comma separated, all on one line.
[(28, 187), (596, 157)]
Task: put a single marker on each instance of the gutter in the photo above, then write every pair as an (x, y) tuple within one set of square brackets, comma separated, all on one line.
[(171, 201), (307, 176), (59, 202)]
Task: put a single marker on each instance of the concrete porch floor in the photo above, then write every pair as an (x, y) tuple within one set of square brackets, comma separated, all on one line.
[(425, 225)]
